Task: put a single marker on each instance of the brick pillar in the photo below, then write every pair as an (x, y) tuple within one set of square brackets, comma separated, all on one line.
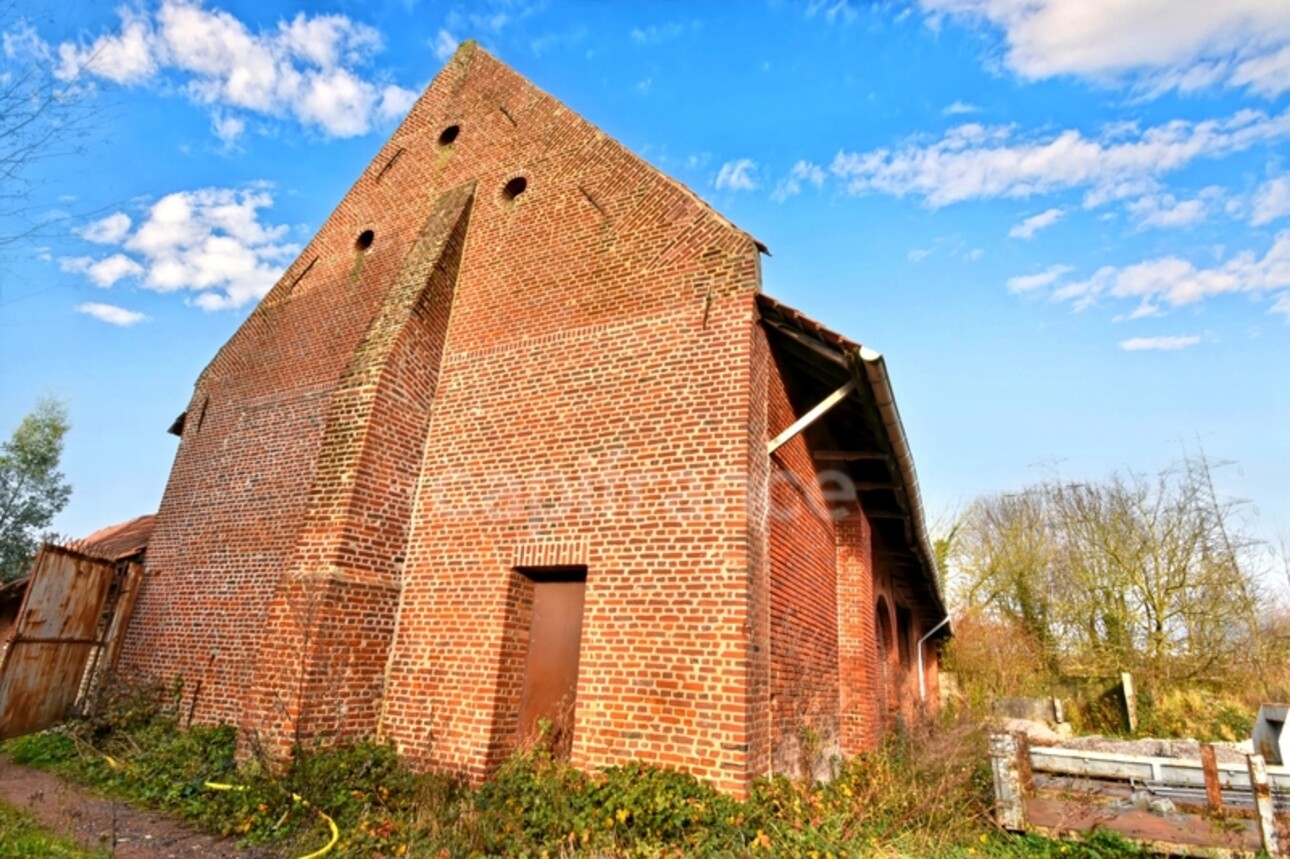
[(856, 643), (320, 671), (757, 680)]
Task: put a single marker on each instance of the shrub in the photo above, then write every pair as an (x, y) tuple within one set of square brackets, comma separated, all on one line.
[(1194, 713)]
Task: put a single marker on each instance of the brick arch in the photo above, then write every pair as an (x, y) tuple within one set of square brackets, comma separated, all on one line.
[(886, 644)]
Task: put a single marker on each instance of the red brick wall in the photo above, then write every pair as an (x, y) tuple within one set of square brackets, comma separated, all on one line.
[(859, 695), (803, 602), (233, 510), (320, 672), (897, 691), (571, 377), (757, 674), (592, 392), (642, 439)]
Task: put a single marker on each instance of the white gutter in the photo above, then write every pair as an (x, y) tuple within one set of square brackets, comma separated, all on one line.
[(876, 371)]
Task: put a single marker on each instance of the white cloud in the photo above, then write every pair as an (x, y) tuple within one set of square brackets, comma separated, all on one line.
[(102, 273), (106, 231), (833, 10), (444, 45), (1154, 45), (977, 162), (1165, 344), (22, 42), (1032, 282), (306, 68), (917, 255), (1177, 282), (111, 314), (1282, 306), (227, 128), (395, 102), (489, 16), (959, 108), (737, 175), (338, 101), (1271, 201), (643, 87), (655, 35), (803, 171), (1027, 228), (1165, 211), (210, 241), (128, 57)]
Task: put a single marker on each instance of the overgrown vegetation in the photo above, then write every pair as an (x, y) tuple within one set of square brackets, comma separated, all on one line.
[(1067, 583), (21, 837), (924, 793)]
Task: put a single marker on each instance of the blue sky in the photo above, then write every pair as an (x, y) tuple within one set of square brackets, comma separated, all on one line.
[(1066, 223)]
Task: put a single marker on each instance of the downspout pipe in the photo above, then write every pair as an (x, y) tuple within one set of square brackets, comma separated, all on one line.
[(922, 680)]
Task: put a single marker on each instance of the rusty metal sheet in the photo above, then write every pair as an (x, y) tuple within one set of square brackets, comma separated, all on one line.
[(56, 632), (103, 664)]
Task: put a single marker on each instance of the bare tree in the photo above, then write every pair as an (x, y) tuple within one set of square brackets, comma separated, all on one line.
[(41, 118), (1004, 551), (1149, 574)]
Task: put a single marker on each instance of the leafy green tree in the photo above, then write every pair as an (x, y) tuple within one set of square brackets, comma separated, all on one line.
[(32, 489)]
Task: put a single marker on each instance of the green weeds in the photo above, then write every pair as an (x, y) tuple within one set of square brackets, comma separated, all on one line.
[(925, 792), (21, 837)]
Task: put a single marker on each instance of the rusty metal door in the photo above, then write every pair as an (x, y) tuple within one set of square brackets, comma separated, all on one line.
[(56, 633), (551, 672)]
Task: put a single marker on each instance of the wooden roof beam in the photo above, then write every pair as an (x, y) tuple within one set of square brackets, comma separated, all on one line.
[(812, 416)]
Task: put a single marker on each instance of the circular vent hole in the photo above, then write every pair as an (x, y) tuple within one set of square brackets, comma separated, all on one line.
[(514, 188), (364, 240), (449, 134)]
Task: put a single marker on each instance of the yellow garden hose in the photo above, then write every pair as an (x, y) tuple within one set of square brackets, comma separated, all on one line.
[(215, 785), (335, 830)]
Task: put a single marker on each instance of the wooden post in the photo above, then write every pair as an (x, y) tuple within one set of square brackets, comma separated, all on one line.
[(1130, 701), (1213, 790), (1009, 799), (1263, 809)]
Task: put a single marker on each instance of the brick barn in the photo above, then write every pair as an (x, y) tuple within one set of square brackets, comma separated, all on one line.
[(517, 445)]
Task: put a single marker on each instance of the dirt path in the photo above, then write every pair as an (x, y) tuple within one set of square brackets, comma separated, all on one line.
[(97, 822)]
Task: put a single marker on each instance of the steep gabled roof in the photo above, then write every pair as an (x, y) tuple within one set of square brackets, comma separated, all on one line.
[(509, 128)]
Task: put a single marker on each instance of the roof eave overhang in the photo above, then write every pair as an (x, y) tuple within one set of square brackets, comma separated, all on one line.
[(831, 348)]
